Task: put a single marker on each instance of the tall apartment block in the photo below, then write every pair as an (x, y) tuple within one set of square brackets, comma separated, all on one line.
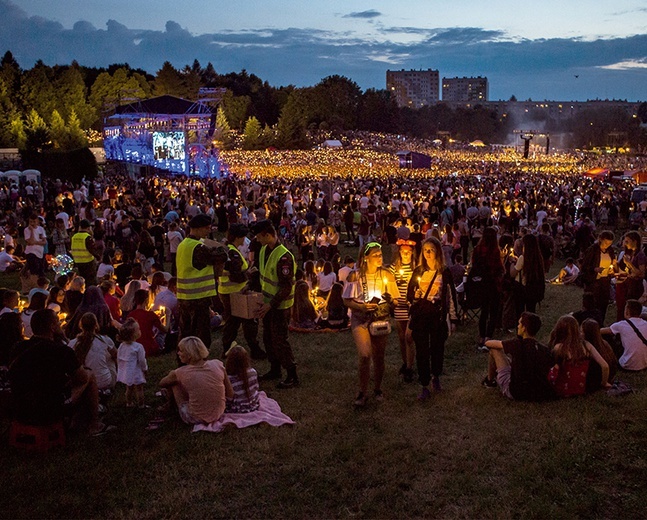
[(465, 90), (413, 88)]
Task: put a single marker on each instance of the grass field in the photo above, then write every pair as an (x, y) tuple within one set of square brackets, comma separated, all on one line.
[(468, 453)]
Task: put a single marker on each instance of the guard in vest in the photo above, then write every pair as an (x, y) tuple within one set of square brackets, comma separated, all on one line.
[(276, 265), (234, 280), (83, 252), (197, 268)]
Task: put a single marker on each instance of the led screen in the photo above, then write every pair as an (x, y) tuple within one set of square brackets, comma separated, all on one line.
[(168, 146)]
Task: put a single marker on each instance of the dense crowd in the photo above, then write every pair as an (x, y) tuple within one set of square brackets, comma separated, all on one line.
[(479, 231)]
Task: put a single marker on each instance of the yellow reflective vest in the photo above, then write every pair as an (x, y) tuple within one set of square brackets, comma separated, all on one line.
[(225, 285), (269, 275), (192, 283), (80, 253)]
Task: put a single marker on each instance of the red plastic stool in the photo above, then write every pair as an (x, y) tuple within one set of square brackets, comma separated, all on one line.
[(36, 438)]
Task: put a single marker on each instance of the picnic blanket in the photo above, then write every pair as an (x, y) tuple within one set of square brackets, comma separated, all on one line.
[(269, 412)]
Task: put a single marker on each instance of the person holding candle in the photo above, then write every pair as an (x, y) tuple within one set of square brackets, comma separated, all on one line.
[(631, 266), (432, 296), (402, 268), (371, 289)]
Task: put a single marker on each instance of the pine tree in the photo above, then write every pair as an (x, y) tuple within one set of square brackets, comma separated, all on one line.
[(223, 133), (77, 137), (252, 135), (58, 131), (37, 135)]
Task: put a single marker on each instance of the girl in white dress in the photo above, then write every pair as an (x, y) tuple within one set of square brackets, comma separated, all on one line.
[(131, 364)]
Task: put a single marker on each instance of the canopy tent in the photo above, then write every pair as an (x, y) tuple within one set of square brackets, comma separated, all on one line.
[(477, 143), (597, 173), (409, 159), (332, 143)]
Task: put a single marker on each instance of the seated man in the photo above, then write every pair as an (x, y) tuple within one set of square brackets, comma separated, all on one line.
[(633, 334), (567, 274), (9, 262), (521, 365), (46, 379)]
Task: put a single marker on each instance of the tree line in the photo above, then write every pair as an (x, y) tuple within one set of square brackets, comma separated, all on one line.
[(62, 107)]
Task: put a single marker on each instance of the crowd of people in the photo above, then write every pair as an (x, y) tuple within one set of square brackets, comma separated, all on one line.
[(479, 231)]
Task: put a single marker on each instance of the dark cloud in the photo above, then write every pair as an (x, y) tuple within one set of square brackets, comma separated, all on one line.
[(541, 69), (369, 14)]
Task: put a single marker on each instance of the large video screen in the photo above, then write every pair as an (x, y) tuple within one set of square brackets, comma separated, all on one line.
[(168, 146)]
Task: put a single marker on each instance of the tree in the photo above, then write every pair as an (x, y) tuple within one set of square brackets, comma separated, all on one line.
[(252, 135), (291, 128), (642, 112), (119, 88), (168, 81), (36, 133), (236, 109), (57, 131), (223, 133), (378, 112), (191, 80), (72, 96), (8, 112), (10, 74), (37, 90), (336, 100), (18, 132), (77, 137)]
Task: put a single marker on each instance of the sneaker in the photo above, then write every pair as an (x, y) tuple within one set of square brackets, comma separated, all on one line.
[(290, 382), (408, 375), (378, 395), (435, 384), (488, 383), (360, 400), (272, 374), (425, 394)]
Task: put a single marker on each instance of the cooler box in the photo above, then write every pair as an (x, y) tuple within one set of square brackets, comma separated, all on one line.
[(245, 305)]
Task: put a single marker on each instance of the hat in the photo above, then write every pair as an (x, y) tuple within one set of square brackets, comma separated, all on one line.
[(238, 230), (200, 221), (84, 224), (403, 233), (263, 226)]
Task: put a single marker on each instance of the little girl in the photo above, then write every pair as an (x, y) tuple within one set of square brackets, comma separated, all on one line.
[(132, 366), (244, 381)]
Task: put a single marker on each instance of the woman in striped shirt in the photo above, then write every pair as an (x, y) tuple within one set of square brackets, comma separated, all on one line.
[(402, 268)]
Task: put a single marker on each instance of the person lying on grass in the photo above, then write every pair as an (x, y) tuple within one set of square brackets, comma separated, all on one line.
[(520, 366), (200, 388)]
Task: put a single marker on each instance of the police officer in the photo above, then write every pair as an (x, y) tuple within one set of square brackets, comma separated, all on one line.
[(83, 252), (234, 280), (197, 266), (276, 265)]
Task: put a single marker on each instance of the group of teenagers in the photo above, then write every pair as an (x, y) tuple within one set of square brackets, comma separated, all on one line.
[(421, 294)]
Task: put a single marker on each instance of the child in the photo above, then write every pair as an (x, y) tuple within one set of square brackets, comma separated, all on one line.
[(132, 366), (244, 381)]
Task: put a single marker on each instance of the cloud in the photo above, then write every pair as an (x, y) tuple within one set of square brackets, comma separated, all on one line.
[(541, 69), (369, 14), (631, 64)]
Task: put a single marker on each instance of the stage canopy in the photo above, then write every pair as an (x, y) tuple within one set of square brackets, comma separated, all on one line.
[(166, 132)]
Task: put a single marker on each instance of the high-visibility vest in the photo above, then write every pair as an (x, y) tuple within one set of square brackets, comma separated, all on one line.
[(192, 283), (225, 285), (80, 253), (269, 275)]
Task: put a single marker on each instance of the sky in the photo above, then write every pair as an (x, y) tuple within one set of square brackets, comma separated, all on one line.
[(550, 50)]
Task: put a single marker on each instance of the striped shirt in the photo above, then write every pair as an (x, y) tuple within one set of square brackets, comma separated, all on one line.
[(239, 403), (402, 277)]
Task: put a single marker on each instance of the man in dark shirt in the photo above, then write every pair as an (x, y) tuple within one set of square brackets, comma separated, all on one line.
[(47, 380), (521, 365)]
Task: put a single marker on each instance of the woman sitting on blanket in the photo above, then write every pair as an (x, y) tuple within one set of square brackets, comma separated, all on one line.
[(244, 381), (199, 388)]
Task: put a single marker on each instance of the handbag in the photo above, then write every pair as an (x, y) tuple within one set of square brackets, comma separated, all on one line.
[(422, 308), (379, 328)]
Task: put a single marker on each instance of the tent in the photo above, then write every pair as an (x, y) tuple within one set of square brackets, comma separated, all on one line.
[(31, 175), (12, 176), (477, 144), (597, 173), (332, 143), (409, 159)]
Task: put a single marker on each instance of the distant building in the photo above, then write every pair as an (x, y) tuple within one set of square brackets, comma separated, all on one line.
[(465, 90), (413, 88)]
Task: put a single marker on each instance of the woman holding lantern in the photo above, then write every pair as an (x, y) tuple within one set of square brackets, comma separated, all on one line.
[(370, 292), (432, 296)]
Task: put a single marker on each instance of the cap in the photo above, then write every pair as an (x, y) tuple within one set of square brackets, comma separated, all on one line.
[(263, 226), (403, 233), (84, 223), (238, 230), (200, 221)]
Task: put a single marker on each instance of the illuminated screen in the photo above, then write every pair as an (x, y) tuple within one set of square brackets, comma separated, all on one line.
[(168, 146)]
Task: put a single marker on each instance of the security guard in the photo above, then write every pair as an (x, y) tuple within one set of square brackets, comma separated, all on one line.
[(234, 280), (197, 266), (276, 265), (83, 252)]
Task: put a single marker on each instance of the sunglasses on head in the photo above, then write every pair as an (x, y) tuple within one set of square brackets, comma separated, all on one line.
[(371, 245)]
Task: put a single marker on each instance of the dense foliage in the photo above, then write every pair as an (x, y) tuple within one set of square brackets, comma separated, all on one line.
[(54, 107)]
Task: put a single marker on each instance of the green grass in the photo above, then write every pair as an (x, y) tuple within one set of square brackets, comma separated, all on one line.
[(468, 453)]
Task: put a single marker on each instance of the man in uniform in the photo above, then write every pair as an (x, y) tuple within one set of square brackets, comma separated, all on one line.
[(197, 266), (83, 252), (234, 280), (276, 265)]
